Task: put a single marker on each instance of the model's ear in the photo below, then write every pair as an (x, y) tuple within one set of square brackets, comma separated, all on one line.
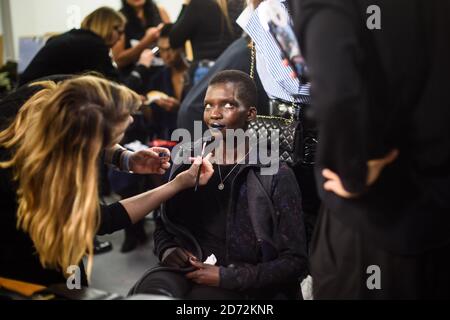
[(251, 114)]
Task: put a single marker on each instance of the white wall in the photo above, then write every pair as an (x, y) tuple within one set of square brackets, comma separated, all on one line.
[(1, 22), (38, 17)]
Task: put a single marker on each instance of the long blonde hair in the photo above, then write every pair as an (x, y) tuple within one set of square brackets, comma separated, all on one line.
[(103, 21), (223, 5), (55, 142)]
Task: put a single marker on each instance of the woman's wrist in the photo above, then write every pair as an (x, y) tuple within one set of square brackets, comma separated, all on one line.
[(180, 183)]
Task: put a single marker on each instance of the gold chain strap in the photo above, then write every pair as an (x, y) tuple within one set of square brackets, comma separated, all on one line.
[(253, 60)]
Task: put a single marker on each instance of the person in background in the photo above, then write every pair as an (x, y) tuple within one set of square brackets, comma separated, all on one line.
[(49, 178), (169, 81), (206, 23), (381, 93), (144, 23), (87, 49)]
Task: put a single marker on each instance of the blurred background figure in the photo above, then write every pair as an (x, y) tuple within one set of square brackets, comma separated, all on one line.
[(210, 29), (144, 19), (166, 87), (86, 49)]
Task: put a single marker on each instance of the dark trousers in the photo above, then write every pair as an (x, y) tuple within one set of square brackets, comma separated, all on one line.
[(176, 285), (310, 199), (342, 260)]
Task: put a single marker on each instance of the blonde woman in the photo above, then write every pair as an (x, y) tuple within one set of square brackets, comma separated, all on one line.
[(49, 185), (87, 49)]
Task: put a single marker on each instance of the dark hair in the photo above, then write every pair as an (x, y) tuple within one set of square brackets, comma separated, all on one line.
[(151, 14), (166, 30), (246, 87)]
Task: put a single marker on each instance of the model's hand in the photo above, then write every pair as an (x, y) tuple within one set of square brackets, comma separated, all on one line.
[(169, 104), (205, 274), (375, 167), (188, 178), (177, 257), (150, 161)]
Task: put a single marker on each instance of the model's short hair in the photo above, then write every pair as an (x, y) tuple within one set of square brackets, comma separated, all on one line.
[(103, 21), (246, 88)]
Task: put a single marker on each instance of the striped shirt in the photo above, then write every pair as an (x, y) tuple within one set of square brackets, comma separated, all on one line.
[(275, 77)]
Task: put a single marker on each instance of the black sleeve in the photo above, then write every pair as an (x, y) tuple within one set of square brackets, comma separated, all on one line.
[(113, 218), (185, 26), (330, 42), (290, 238)]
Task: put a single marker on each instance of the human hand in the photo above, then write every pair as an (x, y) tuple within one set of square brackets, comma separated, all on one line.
[(374, 167), (152, 34), (205, 274), (188, 178), (168, 104), (176, 257), (149, 161), (146, 58)]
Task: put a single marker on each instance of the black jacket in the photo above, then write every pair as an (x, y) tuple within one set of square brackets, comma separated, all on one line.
[(375, 90), (203, 23), (265, 234), (76, 52)]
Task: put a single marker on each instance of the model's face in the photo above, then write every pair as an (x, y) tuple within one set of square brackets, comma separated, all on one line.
[(168, 54), (224, 110), (136, 3)]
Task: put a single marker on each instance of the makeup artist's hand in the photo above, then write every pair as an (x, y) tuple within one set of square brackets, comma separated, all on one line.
[(205, 274), (177, 257), (149, 161), (188, 178)]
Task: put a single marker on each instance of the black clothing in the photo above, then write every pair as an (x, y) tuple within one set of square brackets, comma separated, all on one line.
[(76, 52), (342, 255), (265, 245), (376, 90), (163, 122), (203, 23), (176, 285), (18, 258), (135, 29), (236, 57)]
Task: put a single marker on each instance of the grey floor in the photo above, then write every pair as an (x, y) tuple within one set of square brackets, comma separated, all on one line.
[(116, 272)]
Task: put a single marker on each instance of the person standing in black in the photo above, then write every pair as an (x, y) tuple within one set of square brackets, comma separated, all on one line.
[(144, 19), (207, 24), (383, 160)]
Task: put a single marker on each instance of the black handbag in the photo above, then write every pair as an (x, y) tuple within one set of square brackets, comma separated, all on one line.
[(289, 135)]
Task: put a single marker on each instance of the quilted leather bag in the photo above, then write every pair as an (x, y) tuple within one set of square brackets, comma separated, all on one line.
[(289, 133)]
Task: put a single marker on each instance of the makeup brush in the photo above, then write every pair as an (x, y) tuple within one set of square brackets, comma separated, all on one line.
[(200, 168)]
